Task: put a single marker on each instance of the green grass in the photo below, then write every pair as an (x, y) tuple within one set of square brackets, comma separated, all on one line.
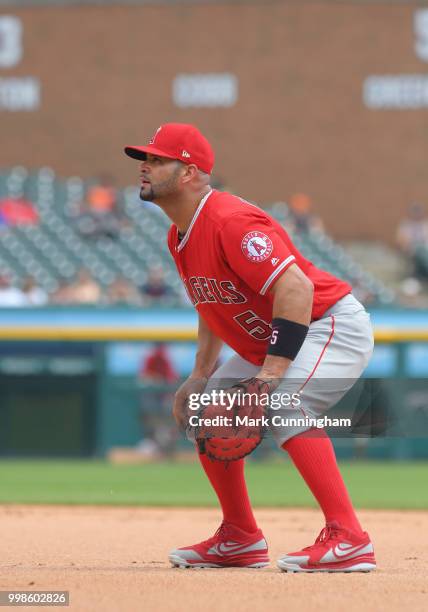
[(372, 484)]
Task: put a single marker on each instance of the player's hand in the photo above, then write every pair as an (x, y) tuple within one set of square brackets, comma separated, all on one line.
[(190, 385), (241, 427), (272, 380)]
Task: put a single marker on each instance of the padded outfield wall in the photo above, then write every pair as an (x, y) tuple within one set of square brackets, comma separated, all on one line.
[(71, 384), (329, 98)]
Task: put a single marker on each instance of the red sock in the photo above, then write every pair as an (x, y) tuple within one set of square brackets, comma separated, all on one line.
[(228, 481), (313, 454)]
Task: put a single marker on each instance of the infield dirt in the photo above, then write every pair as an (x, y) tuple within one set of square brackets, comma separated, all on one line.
[(115, 559)]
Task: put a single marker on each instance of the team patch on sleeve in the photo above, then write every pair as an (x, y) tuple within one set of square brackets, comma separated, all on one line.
[(256, 246)]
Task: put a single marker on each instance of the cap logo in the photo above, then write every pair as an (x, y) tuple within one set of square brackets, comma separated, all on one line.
[(256, 246), (185, 153), (152, 140)]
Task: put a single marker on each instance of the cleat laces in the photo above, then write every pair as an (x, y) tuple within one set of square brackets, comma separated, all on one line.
[(328, 532), (222, 532)]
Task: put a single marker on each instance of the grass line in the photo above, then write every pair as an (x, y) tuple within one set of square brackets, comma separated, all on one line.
[(372, 484)]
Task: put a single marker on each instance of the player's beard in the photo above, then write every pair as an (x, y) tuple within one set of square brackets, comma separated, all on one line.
[(160, 190)]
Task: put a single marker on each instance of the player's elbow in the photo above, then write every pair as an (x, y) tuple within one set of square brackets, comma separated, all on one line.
[(295, 285), (300, 283), (308, 287)]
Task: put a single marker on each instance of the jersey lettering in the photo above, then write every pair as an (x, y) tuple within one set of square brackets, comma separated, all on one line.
[(237, 298), (189, 291), (253, 325), (222, 299), (205, 289), (197, 292), (202, 290)]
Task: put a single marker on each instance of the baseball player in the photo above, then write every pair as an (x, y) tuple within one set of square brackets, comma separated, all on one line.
[(286, 320)]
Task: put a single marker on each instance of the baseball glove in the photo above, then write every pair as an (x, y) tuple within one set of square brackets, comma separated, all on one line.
[(229, 433)]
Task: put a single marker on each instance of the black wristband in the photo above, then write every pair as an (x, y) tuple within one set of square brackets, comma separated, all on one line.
[(287, 338)]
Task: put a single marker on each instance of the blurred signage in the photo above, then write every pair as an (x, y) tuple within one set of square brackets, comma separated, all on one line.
[(59, 366), (421, 33), (19, 94), (205, 90), (10, 41), (16, 93), (402, 91)]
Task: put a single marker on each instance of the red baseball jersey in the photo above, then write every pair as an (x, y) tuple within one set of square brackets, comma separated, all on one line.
[(229, 259)]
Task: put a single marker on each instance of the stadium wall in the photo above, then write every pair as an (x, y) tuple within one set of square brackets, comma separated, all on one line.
[(304, 117), (73, 382)]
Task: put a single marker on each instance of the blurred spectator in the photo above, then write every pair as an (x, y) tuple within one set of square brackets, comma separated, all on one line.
[(156, 288), (84, 290), (363, 293), (102, 198), (411, 293), (412, 231), (159, 431), (412, 238), (10, 296), (99, 215), (34, 295), (60, 295), (158, 366), (301, 217), (121, 291), (18, 211)]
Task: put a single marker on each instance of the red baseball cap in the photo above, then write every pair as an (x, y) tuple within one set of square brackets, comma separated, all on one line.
[(178, 141)]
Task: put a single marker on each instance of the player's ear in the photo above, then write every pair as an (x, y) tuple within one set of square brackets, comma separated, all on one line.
[(190, 171)]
